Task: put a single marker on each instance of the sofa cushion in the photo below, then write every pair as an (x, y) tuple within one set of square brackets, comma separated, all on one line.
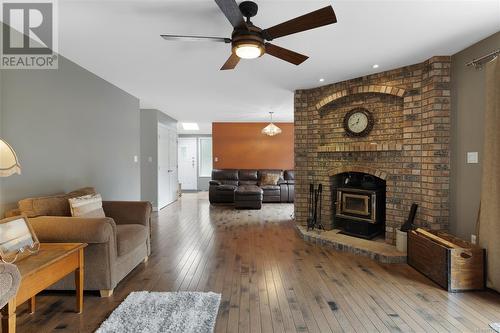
[(54, 205), (248, 182), (248, 175), (248, 190), (229, 182), (130, 236), (225, 174), (226, 187)]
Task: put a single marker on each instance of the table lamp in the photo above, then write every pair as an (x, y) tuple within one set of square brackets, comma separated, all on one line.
[(9, 164)]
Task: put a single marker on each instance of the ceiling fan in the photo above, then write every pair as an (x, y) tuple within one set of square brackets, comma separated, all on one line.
[(249, 41)]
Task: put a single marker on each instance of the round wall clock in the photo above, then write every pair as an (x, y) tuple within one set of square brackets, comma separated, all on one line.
[(358, 122)]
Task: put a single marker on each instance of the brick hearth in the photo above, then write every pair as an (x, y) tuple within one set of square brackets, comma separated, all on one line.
[(408, 146)]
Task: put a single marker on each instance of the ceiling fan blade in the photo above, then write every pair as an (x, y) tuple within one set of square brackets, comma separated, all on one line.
[(196, 38), (285, 54), (231, 62), (232, 11), (318, 18)]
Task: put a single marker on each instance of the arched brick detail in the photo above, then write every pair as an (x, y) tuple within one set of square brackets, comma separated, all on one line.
[(360, 90), (358, 168)]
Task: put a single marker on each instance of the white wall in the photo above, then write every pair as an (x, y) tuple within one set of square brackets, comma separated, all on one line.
[(149, 151)]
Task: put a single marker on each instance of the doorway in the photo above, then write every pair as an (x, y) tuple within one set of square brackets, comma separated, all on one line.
[(188, 161), (167, 166)]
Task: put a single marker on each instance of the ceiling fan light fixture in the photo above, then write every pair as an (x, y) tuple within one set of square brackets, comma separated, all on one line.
[(248, 50)]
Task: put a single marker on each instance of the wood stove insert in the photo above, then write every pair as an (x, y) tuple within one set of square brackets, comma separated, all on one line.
[(359, 204)]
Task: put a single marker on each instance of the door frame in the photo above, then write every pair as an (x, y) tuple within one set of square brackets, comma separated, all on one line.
[(169, 131)]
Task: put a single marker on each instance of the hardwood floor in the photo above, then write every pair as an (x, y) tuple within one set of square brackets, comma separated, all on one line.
[(272, 281)]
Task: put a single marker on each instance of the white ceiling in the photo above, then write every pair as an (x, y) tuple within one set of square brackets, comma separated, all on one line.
[(119, 41)]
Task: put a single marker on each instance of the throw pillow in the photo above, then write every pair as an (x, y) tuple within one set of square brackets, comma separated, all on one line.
[(270, 179), (87, 206)]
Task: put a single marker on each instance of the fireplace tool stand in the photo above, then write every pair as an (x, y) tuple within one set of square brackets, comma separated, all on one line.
[(315, 199)]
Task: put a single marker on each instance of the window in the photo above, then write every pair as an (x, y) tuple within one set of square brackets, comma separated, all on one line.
[(205, 159)]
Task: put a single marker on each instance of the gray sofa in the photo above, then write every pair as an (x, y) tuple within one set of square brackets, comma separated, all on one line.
[(117, 243)]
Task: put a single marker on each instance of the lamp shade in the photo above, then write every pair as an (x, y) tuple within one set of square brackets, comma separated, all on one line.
[(271, 129), (9, 164)]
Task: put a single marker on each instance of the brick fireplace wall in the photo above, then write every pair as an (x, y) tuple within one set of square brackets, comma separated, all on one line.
[(409, 146)]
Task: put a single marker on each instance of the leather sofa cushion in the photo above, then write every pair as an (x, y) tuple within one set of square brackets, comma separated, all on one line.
[(226, 187), (248, 175), (225, 174), (130, 236), (248, 190), (229, 182), (248, 182)]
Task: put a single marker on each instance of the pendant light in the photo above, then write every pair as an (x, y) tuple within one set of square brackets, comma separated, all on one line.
[(271, 129)]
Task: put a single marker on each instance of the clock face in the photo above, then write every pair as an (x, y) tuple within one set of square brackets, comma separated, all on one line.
[(358, 122)]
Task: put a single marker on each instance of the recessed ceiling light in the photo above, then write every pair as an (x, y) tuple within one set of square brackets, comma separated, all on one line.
[(190, 126), (321, 80), (375, 66)]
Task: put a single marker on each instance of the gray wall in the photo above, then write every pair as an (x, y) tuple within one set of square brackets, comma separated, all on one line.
[(468, 104), (202, 182), (1, 179), (150, 118), (70, 129)]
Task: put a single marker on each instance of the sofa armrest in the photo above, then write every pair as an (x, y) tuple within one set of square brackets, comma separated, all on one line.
[(214, 182), (65, 229), (128, 212)]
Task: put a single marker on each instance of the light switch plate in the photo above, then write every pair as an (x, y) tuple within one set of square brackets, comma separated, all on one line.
[(136, 158), (472, 157), (216, 159), (473, 239), (150, 159)]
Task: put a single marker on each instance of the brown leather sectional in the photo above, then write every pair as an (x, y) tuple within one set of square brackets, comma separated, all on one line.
[(226, 182)]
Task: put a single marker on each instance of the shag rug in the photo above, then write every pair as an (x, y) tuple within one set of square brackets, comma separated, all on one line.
[(152, 312)]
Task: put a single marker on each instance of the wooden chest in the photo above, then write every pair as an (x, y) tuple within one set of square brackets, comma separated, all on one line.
[(454, 264)]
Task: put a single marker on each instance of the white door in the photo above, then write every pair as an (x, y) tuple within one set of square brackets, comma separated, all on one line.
[(173, 177), (167, 166), (188, 163)]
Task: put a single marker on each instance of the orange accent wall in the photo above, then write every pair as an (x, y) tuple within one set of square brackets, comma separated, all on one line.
[(243, 146)]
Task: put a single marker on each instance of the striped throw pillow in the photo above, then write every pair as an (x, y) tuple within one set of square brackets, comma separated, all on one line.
[(87, 206)]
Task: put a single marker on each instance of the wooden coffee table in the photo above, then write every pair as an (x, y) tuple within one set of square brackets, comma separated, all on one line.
[(39, 271)]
